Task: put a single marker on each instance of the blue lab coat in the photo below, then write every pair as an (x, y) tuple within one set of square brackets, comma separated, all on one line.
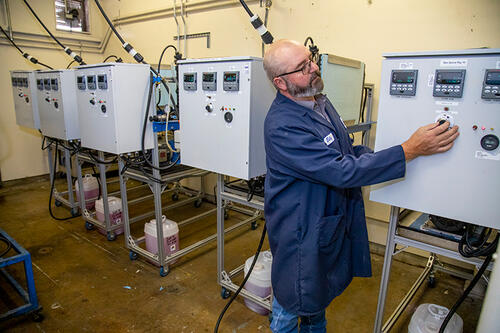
[(314, 206)]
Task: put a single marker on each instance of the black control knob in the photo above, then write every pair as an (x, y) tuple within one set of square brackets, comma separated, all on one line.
[(27, 100), (21, 95), (209, 107), (228, 117), (47, 100), (56, 105), (103, 108), (92, 101), (490, 142)]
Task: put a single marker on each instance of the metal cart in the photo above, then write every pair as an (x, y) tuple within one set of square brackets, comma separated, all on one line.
[(227, 197), (405, 237), (90, 216), (30, 298), (66, 198)]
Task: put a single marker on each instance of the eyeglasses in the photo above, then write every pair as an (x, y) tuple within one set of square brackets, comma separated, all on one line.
[(304, 69)]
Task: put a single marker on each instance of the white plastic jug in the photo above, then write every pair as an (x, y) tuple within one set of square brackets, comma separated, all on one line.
[(429, 317), (115, 213), (259, 282), (170, 236), (90, 190)]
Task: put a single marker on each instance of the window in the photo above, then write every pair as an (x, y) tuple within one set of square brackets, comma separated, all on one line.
[(72, 15)]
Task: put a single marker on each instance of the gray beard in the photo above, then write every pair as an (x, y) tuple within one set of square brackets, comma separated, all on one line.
[(308, 91)]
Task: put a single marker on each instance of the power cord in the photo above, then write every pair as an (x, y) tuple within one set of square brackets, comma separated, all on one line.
[(24, 54), (466, 249), (262, 237)]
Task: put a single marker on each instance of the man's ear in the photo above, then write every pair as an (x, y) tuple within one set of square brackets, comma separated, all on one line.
[(279, 83)]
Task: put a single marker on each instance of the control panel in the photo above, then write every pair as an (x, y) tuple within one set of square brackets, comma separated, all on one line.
[(403, 82), (455, 86), (491, 84), (223, 122), (209, 81), (112, 100), (449, 83), (24, 92), (190, 81), (57, 104), (231, 81)]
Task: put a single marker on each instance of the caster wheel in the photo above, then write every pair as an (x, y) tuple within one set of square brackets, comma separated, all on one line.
[(198, 203), (226, 215), (164, 271), (431, 282), (132, 255), (37, 317), (89, 226), (175, 197), (224, 293), (254, 225), (74, 212), (111, 236), (58, 203)]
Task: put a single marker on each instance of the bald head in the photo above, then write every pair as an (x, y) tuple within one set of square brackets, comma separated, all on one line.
[(277, 57)]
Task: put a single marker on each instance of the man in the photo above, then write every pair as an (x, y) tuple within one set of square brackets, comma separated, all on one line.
[(313, 203)]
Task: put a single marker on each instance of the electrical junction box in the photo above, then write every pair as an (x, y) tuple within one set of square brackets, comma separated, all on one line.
[(57, 104), (344, 79), (222, 116), (112, 100), (25, 98), (459, 86)]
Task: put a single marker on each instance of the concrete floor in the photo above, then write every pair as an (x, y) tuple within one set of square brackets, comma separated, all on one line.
[(82, 278)]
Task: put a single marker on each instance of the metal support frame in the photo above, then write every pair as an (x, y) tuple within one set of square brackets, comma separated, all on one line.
[(226, 196), (393, 239), (88, 216), (173, 176), (29, 296), (60, 197)]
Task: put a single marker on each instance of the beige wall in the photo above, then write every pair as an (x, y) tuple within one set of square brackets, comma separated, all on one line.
[(362, 29)]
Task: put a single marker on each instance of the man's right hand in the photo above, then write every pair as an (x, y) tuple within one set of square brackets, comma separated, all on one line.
[(430, 139)]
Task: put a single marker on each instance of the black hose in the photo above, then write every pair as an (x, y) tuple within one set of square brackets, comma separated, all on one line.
[(262, 237), (467, 291), (109, 22), (246, 8), (67, 50), (52, 185), (9, 245), (71, 63), (10, 40), (26, 55), (138, 57), (113, 56), (162, 52), (43, 25)]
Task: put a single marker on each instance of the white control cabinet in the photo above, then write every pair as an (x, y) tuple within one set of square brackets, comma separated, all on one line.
[(57, 104), (25, 98), (460, 86), (223, 103), (112, 101)]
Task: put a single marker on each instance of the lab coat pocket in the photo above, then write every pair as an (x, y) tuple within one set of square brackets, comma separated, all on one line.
[(330, 228)]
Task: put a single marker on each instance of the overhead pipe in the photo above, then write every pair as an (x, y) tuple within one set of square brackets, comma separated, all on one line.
[(185, 28)]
